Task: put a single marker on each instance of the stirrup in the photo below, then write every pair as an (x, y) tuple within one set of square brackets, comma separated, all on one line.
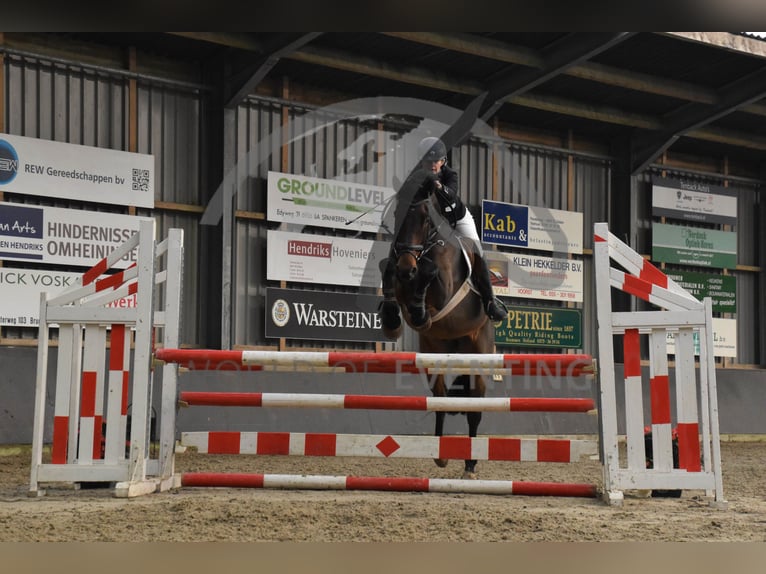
[(496, 309)]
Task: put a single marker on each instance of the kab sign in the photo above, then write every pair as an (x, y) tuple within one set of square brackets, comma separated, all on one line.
[(531, 227), (47, 168), (322, 315)]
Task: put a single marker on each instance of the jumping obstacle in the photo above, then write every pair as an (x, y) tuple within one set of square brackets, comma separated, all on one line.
[(390, 446), (686, 317), (127, 307), (363, 362), (396, 484), (84, 316), (386, 402), (386, 446)]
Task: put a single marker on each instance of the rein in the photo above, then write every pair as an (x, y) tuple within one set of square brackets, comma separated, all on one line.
[(416, 250)]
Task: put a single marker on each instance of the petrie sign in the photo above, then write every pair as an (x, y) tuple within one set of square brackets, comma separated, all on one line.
[(325, 260), (322, 315), (693, 201), (541, 327), (531, 227), (63, 236), (20, 294), (306, 200), (33, 166)]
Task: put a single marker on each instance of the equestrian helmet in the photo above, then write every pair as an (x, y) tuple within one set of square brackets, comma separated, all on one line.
[(432, 149)]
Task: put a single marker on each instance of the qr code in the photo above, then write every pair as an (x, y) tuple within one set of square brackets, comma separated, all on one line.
[(140, 180)]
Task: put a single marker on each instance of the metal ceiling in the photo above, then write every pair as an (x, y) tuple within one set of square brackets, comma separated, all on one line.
[(692, 93)]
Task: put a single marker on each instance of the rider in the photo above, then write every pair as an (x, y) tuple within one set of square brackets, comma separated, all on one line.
[(433, 154)]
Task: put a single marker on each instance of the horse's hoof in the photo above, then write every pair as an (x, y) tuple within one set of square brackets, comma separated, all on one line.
[(467, 475), (392, 334), (441, 462), (424, 327)]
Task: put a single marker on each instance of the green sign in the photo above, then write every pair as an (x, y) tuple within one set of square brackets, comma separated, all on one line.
[(694, 246), (541, 327), (722, 289)]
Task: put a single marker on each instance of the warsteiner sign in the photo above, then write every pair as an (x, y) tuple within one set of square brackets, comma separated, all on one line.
[(296, 314), (541, 327)]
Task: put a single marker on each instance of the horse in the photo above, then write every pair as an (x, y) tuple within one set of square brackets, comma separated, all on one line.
[(436, 298)]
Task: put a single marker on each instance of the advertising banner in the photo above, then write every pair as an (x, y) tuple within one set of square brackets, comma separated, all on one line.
[(333, 203), (693, 201), (322, 315), (535, 277), (724, 339), (20, 294), (541, 327), (63, 236), (694, 246), (531, 227), (33, 166), (324, 260), (722, 289)]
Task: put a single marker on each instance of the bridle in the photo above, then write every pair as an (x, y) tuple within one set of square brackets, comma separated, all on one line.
[(417, 251)]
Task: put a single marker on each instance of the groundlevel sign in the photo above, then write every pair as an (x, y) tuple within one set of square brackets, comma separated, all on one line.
[(305, 200), (296, 314)]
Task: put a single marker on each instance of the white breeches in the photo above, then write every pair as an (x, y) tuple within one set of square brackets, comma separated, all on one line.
[(466, 227)]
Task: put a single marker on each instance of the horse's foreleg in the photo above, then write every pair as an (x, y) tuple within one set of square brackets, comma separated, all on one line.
[(427, 271), (474, 418)]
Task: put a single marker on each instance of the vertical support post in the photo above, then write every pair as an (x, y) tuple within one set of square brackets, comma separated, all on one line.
[(170, 340), (659, 382), (634, 404), (686, 397), (117, 395), (141, 403), (607, 399), (707, 365), (92, 394), (41, 384)]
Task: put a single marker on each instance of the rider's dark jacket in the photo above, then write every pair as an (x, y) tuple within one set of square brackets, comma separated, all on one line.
[(452, 206)]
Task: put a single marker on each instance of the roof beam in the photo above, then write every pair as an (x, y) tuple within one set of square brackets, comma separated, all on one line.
[(495, 50), (426, 77), (646, 147), (242, 82), (564, 54)]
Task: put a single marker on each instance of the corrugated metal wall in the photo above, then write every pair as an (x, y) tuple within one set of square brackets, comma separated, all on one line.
[(82, 104), (78, 104), (747, 228), (334, 147)]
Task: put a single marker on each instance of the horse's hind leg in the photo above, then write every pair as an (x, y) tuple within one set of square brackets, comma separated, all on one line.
[(439, 390), (440, 462), (473, 428)]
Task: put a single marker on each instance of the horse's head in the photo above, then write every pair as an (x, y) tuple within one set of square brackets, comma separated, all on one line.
[(418, 234)]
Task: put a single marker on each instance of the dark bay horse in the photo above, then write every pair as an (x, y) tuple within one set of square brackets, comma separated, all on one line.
[(435, 296)]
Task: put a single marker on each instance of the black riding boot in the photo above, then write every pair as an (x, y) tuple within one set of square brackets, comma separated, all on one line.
[(389, 308), (494, 307)]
